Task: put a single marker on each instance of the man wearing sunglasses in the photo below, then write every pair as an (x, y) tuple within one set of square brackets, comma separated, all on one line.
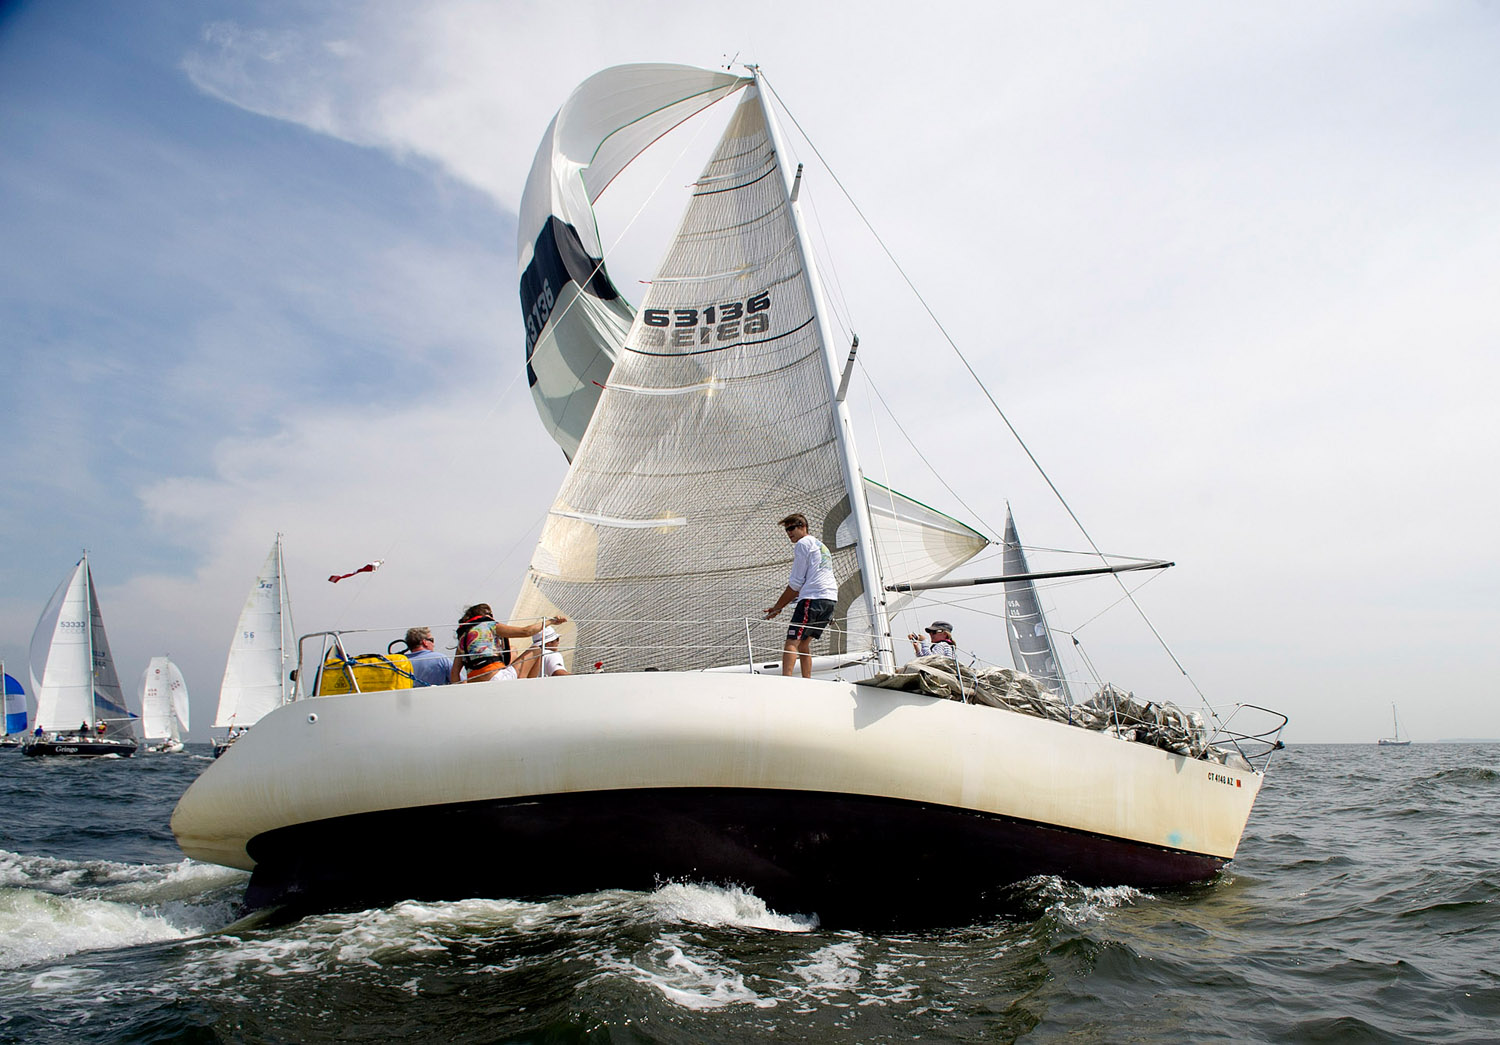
[(814, 587)]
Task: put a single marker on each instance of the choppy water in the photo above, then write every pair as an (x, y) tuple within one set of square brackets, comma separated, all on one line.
[(1364, 907)]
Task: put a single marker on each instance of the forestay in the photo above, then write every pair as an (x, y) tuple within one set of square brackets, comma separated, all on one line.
[(575, 318)]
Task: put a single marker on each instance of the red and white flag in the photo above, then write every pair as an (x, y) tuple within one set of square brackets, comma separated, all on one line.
[(369, 567)]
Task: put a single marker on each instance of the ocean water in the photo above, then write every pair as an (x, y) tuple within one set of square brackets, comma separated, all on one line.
[(1364, 906)]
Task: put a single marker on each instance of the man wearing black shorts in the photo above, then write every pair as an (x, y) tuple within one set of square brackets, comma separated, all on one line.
[(814, 587)]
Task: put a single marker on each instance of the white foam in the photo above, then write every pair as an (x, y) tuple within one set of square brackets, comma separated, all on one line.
[(38, 927), (723, 905), (693, 983), (831, 969), (1079, 904)]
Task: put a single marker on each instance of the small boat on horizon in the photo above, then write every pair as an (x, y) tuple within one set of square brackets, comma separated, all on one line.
[(1394, 740)]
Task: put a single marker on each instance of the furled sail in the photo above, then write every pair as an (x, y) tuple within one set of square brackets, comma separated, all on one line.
[(718, 419), (260, 654), (72, 671), (1030, 640), (164, 700), (575, 318), (915, 543)]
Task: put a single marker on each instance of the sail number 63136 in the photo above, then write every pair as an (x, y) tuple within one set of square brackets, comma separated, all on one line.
[(724, 321)]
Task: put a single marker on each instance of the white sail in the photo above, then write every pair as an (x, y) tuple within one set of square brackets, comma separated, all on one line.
[(575, 318), (164, 700), (72, 672), (256, 674), (916, 543), (719, 418)]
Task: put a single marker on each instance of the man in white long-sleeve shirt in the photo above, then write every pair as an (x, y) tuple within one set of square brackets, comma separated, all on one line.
[(816, 590)]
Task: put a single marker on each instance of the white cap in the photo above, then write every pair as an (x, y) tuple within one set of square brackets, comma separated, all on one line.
[(546, 635)]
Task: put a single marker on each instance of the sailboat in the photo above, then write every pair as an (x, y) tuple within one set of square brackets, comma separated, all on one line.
[(15, 710), (256, 675), (79, 707), (1394, 740), (164, 704), (692, 425)]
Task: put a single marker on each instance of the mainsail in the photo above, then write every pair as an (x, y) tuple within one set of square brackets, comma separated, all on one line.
[(575, 318), (718, 419), (164, 700), (260, 654), (1030, 640), (72, 672)]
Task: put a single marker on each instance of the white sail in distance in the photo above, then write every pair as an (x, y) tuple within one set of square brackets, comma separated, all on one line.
[(164, 700), (262, 650), (1031, 645), (575, 318), (72, 671)]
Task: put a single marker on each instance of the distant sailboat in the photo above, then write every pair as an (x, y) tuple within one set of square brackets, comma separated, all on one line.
[(79, 707), (15, 710), (255, 676), (1031, 646), (1394, 740), (164, 704)]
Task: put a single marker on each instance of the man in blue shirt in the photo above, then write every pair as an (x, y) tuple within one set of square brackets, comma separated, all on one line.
[(429, 666)]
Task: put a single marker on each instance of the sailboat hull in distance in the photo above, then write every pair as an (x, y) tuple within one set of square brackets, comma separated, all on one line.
[(81, 747), (863, 806)]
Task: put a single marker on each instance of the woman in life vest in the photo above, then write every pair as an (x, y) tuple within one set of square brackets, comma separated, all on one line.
[(483, 651)]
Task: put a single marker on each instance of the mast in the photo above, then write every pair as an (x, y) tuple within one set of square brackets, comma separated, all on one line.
[(283, 620), (874, 593), (88, 609)]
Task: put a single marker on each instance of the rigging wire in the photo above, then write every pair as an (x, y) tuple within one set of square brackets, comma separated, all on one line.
[(978, 381)]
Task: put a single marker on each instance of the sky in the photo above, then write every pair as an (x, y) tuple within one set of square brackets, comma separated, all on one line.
[(1229, 270)]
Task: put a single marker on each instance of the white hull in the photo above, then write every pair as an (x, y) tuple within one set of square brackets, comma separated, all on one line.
[(330, 760)]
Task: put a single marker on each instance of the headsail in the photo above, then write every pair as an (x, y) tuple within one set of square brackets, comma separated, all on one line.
[(575, 318), (260, 654), (718, 419), (72, 672), (1030, 640)]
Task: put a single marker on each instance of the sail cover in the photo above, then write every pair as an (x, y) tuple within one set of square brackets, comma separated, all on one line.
[(575, 318), (1030, 640), (718, 420), (255, 675), (15, 706), (72, 672), (164, 700)]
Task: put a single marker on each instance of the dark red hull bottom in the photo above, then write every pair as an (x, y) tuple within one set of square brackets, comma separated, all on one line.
[(850, 859)]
